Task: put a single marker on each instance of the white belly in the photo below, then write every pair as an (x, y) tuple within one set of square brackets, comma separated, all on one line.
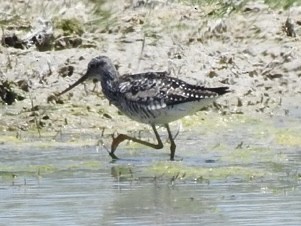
[(169, 113)]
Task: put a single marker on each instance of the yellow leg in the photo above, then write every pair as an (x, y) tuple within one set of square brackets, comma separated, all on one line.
[(172, 143), (122, 137)]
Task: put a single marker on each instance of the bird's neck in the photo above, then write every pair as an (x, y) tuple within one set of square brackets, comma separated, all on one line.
[(109, 74), (110, 88), (109, 83)]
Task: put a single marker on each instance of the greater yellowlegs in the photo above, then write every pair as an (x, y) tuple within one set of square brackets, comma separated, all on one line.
[(153, 98)]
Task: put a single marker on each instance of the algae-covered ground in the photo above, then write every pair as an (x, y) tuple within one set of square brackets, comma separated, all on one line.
[(250, 135)]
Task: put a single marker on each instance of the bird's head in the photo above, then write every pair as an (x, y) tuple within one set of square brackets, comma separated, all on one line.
[(100, 68)]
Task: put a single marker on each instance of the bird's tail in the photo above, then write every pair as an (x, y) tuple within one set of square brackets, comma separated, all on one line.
[(219, 90)]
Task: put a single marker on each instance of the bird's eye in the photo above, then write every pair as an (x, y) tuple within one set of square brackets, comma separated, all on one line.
[(92, 65)]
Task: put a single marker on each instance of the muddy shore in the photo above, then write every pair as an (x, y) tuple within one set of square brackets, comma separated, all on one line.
[(246, 49)]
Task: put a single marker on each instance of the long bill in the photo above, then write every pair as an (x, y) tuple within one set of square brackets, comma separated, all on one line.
[(79, 81)]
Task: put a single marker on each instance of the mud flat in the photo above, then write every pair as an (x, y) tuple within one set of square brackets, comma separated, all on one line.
[(245, 46)]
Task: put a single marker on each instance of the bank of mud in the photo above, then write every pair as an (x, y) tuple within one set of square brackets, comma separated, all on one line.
[(246, 49)]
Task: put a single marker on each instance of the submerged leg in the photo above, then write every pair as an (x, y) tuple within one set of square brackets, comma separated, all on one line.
[(172, 143), (122, 137)]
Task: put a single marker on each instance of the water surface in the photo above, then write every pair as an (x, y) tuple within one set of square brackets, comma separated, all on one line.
[(243, 172)]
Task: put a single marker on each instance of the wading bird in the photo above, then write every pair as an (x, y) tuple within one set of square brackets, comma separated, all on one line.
[(153, 98)]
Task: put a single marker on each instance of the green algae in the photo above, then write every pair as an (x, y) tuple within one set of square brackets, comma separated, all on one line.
[(8, 173), (251, 155), (12, 139), (85, 165), (180, 170), (288, 137)]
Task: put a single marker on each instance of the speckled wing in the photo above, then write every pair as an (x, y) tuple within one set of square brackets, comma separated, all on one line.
[(145, 89), (157, 90)]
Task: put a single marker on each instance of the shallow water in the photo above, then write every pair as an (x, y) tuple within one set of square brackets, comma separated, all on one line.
[(239, 173)]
